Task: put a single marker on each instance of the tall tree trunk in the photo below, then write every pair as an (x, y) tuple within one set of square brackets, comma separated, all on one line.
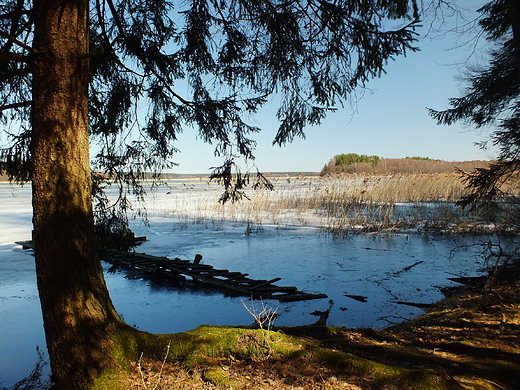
[(79, 318)]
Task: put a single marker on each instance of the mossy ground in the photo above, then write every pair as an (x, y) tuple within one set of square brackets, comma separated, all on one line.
[(468, 341)]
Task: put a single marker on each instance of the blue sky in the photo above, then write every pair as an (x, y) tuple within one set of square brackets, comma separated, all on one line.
[(390, 120)]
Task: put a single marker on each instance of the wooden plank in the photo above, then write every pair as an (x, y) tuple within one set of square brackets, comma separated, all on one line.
[(193, 267), (217, 272), (25, 244), (141, 262), (178, 261), (237, 277), (223, 283), (149, 257), (264, 283), (231, 275), (278, 288)]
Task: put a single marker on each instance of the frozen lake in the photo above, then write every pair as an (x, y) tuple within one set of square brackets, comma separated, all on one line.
[(303, 256)]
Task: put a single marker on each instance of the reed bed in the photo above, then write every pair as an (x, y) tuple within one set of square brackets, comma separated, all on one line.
[(341, 205)]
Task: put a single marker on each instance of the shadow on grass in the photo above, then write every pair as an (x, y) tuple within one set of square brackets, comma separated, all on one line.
[(456, 359)]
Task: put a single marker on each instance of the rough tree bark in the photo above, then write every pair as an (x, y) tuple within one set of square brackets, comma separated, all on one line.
[(79, 318)]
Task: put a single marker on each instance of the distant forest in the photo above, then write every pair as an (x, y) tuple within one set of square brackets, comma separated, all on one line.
[(365, 165), (358, 164)]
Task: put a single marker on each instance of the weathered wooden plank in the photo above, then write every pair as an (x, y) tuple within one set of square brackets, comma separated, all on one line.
[(233, 275), (238, 277), (25, 244), (141, 256), (275, 288), (191, 266), (263, 283), (217, 272)]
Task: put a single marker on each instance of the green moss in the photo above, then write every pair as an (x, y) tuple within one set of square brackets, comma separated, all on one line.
[(219, 377), (202, 344), (112, 379), (211, 342), (125, 347)]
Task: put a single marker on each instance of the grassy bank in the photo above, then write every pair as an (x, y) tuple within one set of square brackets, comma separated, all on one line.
[(467, 341)]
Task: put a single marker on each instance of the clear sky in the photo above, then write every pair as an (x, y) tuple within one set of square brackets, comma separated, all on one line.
[(390, 120)]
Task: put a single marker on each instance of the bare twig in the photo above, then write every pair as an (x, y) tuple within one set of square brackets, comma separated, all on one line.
[(16, 105), (265, 315), (141, 371), (162, 366)]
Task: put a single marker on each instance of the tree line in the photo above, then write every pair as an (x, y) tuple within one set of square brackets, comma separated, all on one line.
[(353, 163)]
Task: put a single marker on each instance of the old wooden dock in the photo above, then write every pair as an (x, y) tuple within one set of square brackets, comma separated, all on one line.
[(237, 282)]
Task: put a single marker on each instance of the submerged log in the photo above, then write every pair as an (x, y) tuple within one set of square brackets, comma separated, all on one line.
[(359, 298), (469, 279)]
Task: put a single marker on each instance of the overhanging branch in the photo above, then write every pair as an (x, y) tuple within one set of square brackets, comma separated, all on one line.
[(14, 57), (16, 105), (17, 42)]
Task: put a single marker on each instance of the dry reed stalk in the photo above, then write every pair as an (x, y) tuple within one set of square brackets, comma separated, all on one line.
[(337, 204)]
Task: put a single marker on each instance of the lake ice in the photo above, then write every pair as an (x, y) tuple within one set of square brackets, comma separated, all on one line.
[(303, 256)]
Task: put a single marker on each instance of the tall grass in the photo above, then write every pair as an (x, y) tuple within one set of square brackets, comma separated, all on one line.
[(339, 205)]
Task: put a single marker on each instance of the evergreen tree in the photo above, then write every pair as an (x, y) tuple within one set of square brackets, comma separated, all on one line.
[(344, 160), (492, 99), (73, 72)]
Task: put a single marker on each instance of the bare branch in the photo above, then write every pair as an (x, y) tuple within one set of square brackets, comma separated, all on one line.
[(16, 105), (14, 57), (16, 41), (9, 15)]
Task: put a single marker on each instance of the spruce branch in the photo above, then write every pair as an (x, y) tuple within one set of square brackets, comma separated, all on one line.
[(14, 57), (15, 105), (17, 42)]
